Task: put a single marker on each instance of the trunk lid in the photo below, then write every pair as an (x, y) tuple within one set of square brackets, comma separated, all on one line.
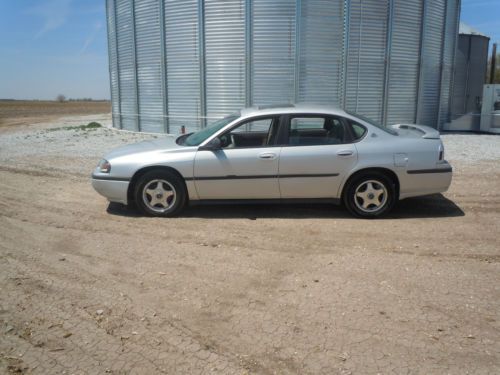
[(416, 131)]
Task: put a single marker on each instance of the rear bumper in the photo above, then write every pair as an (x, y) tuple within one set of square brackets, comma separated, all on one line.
[(113, 190), (426, 181)]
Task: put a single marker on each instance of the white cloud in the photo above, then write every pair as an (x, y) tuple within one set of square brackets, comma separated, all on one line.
[(91, 37), (54, 14)]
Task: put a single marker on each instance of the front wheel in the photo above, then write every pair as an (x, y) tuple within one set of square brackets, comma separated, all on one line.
[(160, 193), (370, 195)]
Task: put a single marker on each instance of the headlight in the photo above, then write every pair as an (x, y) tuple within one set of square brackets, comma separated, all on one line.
[(104, 166)]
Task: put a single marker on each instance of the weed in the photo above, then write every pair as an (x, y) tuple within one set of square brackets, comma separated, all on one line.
[(89, 126)]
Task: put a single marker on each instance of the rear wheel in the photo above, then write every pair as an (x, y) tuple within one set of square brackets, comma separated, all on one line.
[(370, 195), (160, 193)]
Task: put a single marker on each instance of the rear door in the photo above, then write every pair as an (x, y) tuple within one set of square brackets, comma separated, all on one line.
[(246, 167), (317, 154)]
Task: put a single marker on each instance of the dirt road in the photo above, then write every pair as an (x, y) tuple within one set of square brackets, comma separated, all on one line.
[(88, 287)]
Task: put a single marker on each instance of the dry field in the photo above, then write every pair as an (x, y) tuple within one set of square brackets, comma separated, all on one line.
[(26, 112), (89, 287)]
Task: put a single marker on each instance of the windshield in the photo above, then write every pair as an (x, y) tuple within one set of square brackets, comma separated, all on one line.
[(374, 123), (200, 136)]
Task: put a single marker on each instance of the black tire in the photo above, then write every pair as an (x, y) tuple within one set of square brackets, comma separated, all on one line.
[(377, 205), (170, 182)]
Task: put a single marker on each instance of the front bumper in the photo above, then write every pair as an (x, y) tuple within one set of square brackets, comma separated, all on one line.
[(113, 190)]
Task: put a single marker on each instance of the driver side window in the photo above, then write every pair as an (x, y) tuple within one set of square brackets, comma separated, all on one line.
[(259, 132)]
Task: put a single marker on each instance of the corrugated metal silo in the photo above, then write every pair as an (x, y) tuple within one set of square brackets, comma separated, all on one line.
[(184, 62), (470, 77)]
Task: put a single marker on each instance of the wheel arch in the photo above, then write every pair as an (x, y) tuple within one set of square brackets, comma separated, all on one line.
[(386, 171), (142, 171)]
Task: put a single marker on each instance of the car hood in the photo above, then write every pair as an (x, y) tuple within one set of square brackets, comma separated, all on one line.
[(166, 143)]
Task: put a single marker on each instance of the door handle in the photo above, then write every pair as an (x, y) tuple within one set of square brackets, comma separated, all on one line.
[(267, 155), (345, 153)]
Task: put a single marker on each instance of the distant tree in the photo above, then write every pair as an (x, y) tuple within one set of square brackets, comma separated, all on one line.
[(61, 98), (80, 100)]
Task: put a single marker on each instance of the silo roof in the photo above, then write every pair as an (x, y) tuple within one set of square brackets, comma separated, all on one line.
[(469, 30)]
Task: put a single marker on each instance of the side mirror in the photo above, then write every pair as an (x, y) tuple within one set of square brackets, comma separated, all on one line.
[(214, 145)]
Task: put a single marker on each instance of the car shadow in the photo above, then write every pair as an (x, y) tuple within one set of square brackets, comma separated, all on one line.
[(430, 206), (433, 206)]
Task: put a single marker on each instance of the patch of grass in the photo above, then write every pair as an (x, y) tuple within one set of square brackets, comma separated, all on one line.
[(93, 125), (89, 126)]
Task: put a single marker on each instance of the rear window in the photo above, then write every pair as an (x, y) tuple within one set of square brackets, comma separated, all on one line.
[(372, 122)]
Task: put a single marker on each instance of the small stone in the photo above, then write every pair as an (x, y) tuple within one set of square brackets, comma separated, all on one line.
[(99, 312), (343, 357), (39, 344)]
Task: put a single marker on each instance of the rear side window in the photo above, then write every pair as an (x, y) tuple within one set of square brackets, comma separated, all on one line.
[(303, 123), (358, 131), (315, 131)]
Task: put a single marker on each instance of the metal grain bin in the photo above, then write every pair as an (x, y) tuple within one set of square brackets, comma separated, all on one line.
[(186, 62), (469, 78)]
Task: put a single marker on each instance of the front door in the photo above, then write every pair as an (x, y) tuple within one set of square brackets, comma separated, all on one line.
[(246, 166), (316, 158)]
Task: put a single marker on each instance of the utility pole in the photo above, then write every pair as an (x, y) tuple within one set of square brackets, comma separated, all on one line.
[(493, 64)]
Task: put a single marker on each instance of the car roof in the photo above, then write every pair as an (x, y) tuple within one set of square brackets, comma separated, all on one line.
[(291, 108)]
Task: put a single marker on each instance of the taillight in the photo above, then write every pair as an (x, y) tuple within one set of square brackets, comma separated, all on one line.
[(441, 152)]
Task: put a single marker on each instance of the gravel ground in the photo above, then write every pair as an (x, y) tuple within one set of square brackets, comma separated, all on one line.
[(472, 148), (63, 138), (88, 287)]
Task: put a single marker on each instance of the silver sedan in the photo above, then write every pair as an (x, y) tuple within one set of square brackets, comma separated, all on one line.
[(279, 154)]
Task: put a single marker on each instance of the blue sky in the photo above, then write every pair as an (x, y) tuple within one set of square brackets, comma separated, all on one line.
[(51, 47), (484, 16)]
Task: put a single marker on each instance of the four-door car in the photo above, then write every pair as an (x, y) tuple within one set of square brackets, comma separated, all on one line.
[(279, 154)]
